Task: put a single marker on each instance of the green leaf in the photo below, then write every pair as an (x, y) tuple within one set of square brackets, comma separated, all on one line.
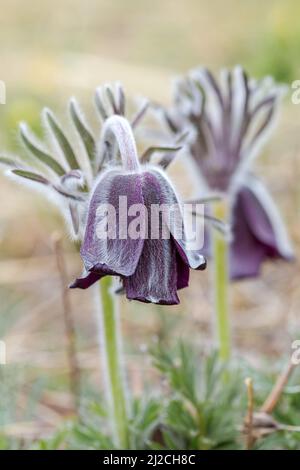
[(146, 414), (99, 104), (61, 140), (111, 99), (7, 162), (151, 150), (122, 100), (37, 178), (39, 153), (167, 159), (88, 437), (86, 136), (179, 366), (140, 114)]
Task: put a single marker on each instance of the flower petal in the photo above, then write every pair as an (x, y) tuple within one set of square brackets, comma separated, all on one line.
[(193, 258), (155, 279), (258, 231), (271, 229), (119, 255), (87, 281), (183, 273)]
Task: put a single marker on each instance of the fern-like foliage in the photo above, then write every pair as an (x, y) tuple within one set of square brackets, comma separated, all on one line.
[(203, 409)]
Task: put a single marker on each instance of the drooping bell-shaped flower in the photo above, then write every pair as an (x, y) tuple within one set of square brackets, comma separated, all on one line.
[(229, 120), (125, 234)]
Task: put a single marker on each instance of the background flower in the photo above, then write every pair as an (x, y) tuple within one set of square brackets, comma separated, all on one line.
[(229, 120)]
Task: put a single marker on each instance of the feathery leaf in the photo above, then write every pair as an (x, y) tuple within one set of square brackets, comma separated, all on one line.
[(38, 152), (61, 139), (151, 150), (99, 104), (85, 134), (7, 162), (36, 177)]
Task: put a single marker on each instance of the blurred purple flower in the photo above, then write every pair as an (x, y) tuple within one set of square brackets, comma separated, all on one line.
[(150, 269), (229, 120)]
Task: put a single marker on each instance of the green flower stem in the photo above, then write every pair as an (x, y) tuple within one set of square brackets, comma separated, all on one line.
[(220, 251), (110, 339)]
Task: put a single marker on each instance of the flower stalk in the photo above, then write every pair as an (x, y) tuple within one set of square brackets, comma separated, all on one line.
[(70, 332), (111, 352), (221, 281)]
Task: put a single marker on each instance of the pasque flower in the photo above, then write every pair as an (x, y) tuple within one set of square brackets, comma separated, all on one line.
[(229, 120), (83, 174), (151, 269), (68, 170)]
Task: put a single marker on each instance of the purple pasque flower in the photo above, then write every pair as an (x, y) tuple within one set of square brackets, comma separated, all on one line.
[(229, 121), (77, 174), (151, 267)]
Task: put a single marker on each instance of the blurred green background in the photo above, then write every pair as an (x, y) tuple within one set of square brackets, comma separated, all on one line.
[(49, 49)]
